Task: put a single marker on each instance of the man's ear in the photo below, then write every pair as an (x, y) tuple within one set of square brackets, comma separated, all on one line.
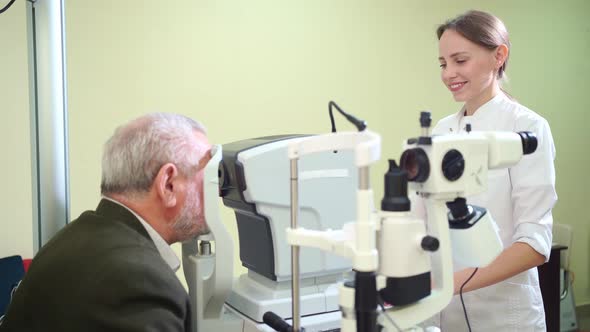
[(501, 55), (166, 184)]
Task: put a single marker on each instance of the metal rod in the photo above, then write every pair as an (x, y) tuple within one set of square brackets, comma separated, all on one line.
[(295, 249), (425, 131), (205, 248), (364, 178)]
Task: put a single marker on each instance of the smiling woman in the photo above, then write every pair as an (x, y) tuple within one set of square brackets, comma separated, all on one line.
[(473, 54), (505, 295)]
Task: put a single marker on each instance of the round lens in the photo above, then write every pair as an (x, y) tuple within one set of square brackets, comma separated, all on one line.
[(415, 162)]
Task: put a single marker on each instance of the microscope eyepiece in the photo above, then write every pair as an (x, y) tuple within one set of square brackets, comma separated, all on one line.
[(223, 177), (453, 165), (529, 142), (395, 197), (416, 163), (425, 119)]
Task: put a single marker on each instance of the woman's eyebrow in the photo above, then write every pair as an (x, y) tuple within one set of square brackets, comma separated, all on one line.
[(456, 54)]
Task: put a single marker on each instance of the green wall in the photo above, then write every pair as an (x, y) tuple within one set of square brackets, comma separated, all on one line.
[(252, 68), (16, 225)]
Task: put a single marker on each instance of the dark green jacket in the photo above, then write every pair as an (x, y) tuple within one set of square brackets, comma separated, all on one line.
[(102, 272)]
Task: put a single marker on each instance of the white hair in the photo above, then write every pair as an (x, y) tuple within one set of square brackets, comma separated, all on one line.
[(135, 153)]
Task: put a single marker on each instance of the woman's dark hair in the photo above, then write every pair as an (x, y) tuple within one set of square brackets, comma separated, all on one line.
[(481, 28)]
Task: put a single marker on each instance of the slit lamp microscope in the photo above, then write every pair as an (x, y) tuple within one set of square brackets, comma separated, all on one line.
[(320, 256)]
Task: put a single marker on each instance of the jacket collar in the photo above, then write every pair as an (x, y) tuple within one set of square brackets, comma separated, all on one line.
[(116, 212), (485, 110)]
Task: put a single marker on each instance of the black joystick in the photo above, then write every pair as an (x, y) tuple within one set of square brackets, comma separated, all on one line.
[(276, 322)]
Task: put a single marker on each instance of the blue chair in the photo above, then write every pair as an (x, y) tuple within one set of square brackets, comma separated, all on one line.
[(11, 273)]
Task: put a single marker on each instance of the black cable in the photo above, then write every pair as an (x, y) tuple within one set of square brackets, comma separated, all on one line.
[(461, 296), (7, 6), (358, 123), (332, 116)]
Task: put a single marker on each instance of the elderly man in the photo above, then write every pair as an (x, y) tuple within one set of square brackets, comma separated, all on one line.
[(112, 269)]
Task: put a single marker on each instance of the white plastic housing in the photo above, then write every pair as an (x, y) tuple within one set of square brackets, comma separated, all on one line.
[(366, 146), (504, 149), (478, 245), (400, 252), (480, 150)]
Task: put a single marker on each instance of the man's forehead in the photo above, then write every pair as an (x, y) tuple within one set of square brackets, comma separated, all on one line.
[(201, 136), (205, 159), (202, 142)]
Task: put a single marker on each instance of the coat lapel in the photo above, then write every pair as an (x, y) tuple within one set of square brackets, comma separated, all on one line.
[(118, 213)]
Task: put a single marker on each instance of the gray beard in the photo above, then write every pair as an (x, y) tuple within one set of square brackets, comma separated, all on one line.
[(190, 222)]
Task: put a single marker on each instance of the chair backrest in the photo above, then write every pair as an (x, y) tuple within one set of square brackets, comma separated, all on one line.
[(11, 272), (563, 235)]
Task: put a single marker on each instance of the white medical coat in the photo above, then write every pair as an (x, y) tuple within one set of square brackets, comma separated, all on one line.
[(520, 200)]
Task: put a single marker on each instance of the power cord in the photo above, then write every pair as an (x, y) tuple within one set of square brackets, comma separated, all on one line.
[(461, 296), (358, 123), (7, 6), (380, 301)]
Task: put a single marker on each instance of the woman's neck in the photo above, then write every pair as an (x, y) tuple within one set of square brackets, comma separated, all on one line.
[(472, 105)]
